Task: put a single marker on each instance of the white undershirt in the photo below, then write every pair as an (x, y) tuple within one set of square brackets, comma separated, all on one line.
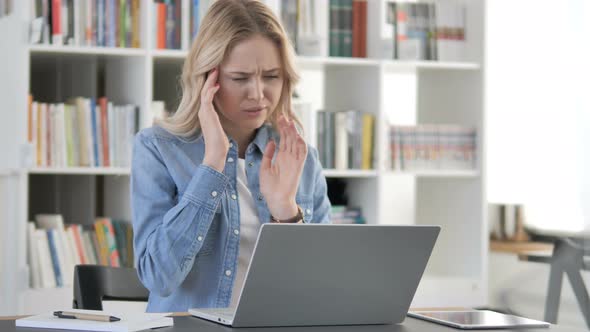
[(249, 227)]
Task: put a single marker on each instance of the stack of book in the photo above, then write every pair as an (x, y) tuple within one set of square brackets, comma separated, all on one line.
[(54, 248), (433, 147), (82, 132), (346, 215), (167, 24), (348, 28), (345, 139), (427, 31), (110, 23)]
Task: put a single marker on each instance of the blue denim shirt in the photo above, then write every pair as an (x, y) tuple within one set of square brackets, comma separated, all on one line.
[(186, 216)]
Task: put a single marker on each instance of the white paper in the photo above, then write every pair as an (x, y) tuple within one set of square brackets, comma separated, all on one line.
[(129, 322)]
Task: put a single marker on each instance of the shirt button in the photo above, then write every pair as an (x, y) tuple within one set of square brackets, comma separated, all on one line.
[(308, 211), (259, 197), (234, 197), (230, 160), (250, 164), (228, 273), (237, 232), (214, 193), (200, 238), (231, 145)]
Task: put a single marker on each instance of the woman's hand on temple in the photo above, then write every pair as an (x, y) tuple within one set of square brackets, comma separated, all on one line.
[(216, 142), (279, 180)]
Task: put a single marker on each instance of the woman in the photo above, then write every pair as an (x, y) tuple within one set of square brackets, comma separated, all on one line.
[(229, 159)]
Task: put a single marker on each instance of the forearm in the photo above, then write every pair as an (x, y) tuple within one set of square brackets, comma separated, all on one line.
[(167, 242), (169, 251)]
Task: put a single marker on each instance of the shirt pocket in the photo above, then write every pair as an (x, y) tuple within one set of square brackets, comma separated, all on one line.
[(306, 204)]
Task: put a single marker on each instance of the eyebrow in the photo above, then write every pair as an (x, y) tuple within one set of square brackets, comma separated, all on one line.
[(251, 73)]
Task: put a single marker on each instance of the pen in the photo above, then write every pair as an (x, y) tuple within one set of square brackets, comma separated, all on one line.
[(77, 315)]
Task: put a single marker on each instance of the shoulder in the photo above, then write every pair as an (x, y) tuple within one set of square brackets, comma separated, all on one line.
[(312, 167), (154, 132), (157, 133)]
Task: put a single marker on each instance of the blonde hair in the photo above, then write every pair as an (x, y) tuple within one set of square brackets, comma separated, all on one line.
[(227, 23)]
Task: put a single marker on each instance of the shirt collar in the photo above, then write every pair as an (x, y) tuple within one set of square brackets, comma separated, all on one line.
[(263, 135)]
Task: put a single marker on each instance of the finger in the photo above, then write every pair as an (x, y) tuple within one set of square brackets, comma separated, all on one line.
[(268, 155), (288, 139), (282, 122), (301, 149), (294, 136), (212, 78), (210, 82), (283, 136), (211, 93)]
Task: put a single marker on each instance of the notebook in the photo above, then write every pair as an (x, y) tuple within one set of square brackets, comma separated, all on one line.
[(128, 323)]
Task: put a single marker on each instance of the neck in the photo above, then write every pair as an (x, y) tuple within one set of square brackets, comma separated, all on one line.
[(242, 137)]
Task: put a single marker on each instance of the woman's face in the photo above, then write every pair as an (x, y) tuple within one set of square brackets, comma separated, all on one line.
[(251, 81)]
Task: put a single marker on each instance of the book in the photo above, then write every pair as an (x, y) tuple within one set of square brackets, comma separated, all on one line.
[(55, 250), (59, 245), (45, 262), (33, 258), (128, 323)]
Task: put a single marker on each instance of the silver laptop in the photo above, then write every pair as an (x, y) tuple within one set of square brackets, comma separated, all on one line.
[(309, 274)]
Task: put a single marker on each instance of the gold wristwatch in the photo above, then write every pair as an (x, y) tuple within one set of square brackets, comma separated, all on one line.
[(298, 219)]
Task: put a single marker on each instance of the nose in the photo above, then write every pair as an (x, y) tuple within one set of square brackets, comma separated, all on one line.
[(256, 91)]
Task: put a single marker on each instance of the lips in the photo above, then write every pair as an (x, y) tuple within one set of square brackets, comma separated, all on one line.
[(254, 109)]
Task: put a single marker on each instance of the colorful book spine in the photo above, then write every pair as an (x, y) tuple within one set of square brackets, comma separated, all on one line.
[(194, 19), (334, 33), (113, 251), (368, 121), (101, 243), (52, 240)]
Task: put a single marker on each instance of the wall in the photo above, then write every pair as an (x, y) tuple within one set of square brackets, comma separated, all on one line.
[(538, 117)]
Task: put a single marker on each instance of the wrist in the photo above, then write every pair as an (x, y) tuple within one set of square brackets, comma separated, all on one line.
[(284, 210), (297, 219), (218, 164)]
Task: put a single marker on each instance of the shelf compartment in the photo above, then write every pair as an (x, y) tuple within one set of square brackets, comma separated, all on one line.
[(87, 50)]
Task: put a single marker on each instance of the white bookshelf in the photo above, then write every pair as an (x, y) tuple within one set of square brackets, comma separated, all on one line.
[(437, 174), (396, 92), (81, 170), (353, 173), (102, 51)]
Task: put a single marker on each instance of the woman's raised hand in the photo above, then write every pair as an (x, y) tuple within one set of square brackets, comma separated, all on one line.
[(216, 142), (279, 180)]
